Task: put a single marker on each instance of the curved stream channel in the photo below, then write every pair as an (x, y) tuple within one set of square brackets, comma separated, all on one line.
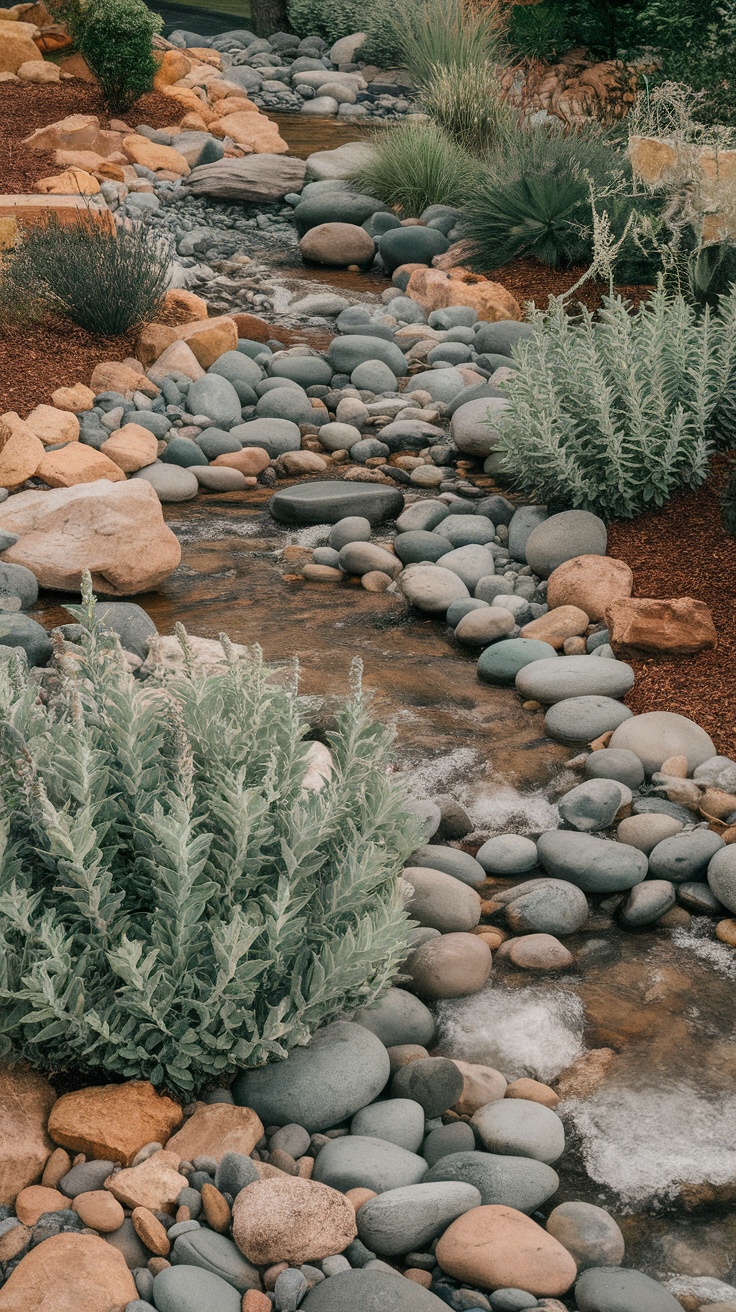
[(651, 1119)]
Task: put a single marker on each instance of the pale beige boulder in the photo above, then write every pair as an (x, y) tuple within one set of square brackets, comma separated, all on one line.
[(132, 447), (497, 1247), (51, 425), (210, 338), (112, 376), (139, 150), (177, 358), (39, 71), (77, 399), (249, 129), (289, 1219), (74, 463), (76, 132), (217, 1128), (481, 1085), (17, 46), (72, 182), (589, 582), (115, 530), (34, 1201), (155, 1183), (20, 450), (26, 1100), (69, 1273), (112, 1122)]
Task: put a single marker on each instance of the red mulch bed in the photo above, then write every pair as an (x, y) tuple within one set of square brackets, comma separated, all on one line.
[(35, 359), (24, 108), (529, 280), (683, 551)]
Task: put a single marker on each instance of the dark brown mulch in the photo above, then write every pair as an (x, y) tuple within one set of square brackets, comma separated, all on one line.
[(24, 108), (682, 550), (35, 359), (529, 280)]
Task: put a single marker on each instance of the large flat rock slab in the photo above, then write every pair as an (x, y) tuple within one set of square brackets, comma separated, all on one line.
[(326, 503)]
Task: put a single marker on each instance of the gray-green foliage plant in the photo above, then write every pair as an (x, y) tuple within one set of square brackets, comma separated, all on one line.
[(173, 904), (612, 412)]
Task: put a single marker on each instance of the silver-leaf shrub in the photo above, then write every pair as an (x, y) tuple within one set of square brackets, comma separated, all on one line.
[(614, 412), (174, 905)]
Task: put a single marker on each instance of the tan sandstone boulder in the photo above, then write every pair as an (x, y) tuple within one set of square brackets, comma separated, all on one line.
[(69, 1273), (21, 452), (26, 1100), (75, 399), (139, 150), (112, 1122), (253, 130), (115, 530), (17, 46), (132, 447), (556, 625), (155, 1183), (72, 182), (678, 626), (76, 132), (590, 582), (291, 1220), (75, 463), (51, 425), (436, 289), (498, 1248), (112, 376), (215, 1129)]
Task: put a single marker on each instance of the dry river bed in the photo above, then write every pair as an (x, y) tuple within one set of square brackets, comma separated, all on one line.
[(654, 1140)]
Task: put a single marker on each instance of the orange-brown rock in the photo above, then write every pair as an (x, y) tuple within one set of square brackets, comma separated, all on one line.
[(586, 1075), (76, 132), (99, 1210), (183, 306), (678, 626), (156, 1183), (150, 1231), (497, 1248), (237, 103), (357, 1197), (26, 1100), (113, 1122), (255, 1301), (152, 340), (17, 45), (72, 182), (250, 129), (655, 161), (217, 1128), (33, 1201), (69, 1273), (209, 339), (435, 289), (139, 150), (590, 582), (112, 376), (13, 1242), (726, 931), (97, 526), (188, 100), (20, 450), (481, 1085), (676, 766), (51, 425), (716, 803), (76, 399), (76, 66), (291, 1220), (557, 625), (131, 447), (533, 1091), (252, 460), (539, 952), (173, 66), (89, 160), (76, 463), (216, 1209), (57, 1166)]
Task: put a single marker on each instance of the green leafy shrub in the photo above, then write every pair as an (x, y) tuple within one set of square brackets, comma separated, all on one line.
[(115, 38), (415, 165), (466, 102), (173, 904), (548, 30), (533, 198), (696, 43), (611, 413), (330, 19), (107, 281)]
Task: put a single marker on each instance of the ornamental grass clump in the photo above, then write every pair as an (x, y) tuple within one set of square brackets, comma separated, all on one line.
[(108, 281), (467, 104), (414, 165), (614, 412), (174, 904)]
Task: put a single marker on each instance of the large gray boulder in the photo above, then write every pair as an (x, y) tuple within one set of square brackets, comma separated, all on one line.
[(257, 179), (519, 1128), (559, 538), (216, 397), (276, 436), (597, 865), (327, 503), (398, 1018), (519, 1182), (472, 426), (407, 1220), (546, 906), (342, 162), (657, 735), (343, 1069), (722, 876), (683, 857), (357, 1161), (432, 589), (551, 681), (440, 901), (395, 1120), (583, 719), (347, 352)]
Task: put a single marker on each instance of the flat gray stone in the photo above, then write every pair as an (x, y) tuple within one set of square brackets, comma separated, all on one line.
[(442, 384), (461, 865), (613, 763), (684, 857), (432, 589), (396, 1120), (657, 735), (358, 1161), (218, 478), (501, 337), (407, 1220), (190, 1288), (593, 805), (508, 1181), (216, 1253), (516, 1127), (399, 1017), (327, 503), (17, 581), (616, 1289), (422, 516), (471, 564), (418, 545), (583, 719), (276, 436), (501, 663), (169, 482), (551, 681), (597, 865), (440, 901), (215, 397), (257, 179), (547, 906), (559, 538), (306, 370), (346, 353), (342, 1069), (507, 854), (371, 1291)]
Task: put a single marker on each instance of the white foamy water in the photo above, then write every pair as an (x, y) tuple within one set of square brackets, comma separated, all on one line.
[(645, 1143), (443, 774), (696, 938), (214, 528), (705, 1288), (506, 811), (521, 1032)]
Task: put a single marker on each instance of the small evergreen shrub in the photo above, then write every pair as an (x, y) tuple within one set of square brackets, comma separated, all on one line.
[(696, 44), (173, 904), (115, 38), (415, 165), (330, 19), (108, 282), (610, 413), (533, 198)]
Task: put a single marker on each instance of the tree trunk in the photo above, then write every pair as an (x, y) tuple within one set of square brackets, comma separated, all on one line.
[(269, 16)]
